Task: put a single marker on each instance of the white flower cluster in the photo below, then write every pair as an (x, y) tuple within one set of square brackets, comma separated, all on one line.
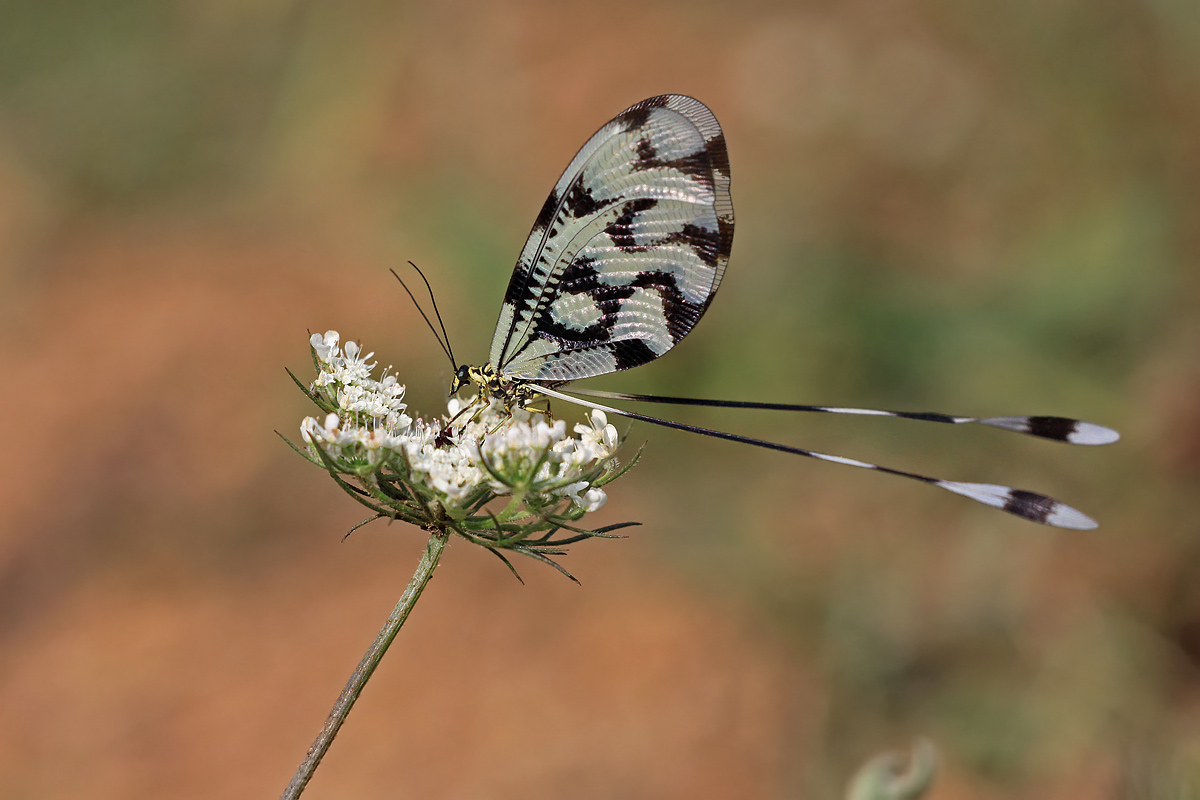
[(477, 450), (346, 373), (531, 445)]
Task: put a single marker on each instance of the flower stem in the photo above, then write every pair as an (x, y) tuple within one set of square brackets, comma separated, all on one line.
[(354, 687)]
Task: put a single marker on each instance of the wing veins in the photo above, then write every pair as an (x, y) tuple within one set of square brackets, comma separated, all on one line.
[(553, 277), (532, 268)]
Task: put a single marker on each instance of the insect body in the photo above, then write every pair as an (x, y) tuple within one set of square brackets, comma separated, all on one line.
[(510, 391), (623, 260)]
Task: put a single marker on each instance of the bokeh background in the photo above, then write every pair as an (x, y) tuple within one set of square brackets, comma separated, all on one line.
[(980, 208)]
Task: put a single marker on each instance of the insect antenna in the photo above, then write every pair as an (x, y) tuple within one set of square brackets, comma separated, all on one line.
[(445, 345), (1028, 505), (438, 314), (1059, 429)]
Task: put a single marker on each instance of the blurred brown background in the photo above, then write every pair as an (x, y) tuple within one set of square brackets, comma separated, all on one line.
[(977, 208)]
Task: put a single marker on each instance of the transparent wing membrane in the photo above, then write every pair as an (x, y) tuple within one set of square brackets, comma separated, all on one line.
[(627, 251)]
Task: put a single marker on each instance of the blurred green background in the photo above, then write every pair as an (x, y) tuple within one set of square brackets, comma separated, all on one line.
[(976, 208)]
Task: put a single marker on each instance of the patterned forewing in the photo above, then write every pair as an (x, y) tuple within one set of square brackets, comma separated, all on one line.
[(627, 251)]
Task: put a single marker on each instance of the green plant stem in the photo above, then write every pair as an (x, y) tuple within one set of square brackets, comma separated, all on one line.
[(354, 687)]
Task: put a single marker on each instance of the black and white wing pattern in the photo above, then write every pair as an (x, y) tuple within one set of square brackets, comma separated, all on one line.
[(627, 251), (625, 258)]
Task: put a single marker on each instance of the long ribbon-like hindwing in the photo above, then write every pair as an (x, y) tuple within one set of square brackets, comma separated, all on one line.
[(1029, 505), (1059, 429)]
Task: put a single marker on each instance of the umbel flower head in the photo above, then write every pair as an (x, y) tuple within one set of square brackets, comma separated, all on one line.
[(504, 478)]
